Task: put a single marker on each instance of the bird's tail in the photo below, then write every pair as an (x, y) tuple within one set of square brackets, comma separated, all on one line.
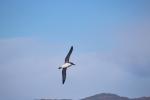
[(59, 67)]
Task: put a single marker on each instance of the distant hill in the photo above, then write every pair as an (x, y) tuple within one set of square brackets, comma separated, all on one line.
[(54, 99), (108, 96)]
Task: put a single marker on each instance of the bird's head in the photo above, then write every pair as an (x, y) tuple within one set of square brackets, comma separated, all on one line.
[(72, 63)]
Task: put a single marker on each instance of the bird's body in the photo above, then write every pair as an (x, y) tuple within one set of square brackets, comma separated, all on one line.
[(66, 65)]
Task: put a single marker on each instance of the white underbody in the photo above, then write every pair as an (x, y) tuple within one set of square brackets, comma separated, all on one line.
[(66, 65)]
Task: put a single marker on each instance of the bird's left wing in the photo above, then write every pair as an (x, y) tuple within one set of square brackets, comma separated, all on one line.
[(68, 55), (63, 75)]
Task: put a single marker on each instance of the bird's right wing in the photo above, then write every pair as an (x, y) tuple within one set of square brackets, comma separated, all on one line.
[(68, 55), (63, 75)]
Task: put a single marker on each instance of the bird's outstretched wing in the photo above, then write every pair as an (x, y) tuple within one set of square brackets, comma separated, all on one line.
[(63, 75), (68, 55)]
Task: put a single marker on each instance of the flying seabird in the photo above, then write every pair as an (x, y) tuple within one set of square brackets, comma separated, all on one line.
[(66, 65)]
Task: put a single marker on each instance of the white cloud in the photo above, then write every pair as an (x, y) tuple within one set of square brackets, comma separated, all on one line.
[(27, 67), (133, 52), (29, 70)]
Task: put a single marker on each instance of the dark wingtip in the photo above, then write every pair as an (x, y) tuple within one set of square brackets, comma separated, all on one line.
[(72, 47)]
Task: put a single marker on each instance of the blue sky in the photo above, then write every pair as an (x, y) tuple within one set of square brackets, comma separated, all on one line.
[(111, 48)]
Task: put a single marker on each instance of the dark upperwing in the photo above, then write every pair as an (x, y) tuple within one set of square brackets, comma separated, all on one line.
[(63, 75), (68, 55)]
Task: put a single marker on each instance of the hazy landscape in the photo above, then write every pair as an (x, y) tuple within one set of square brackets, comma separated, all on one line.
[(106, 96)]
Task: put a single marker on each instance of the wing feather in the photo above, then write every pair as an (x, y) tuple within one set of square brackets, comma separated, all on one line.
[(68, 55), (63, 75)]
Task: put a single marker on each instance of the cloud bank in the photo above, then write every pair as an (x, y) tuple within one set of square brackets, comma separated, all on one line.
[(28, 67)]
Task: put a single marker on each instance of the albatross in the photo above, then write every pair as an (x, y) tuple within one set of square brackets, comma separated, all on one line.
[(66, 65)]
